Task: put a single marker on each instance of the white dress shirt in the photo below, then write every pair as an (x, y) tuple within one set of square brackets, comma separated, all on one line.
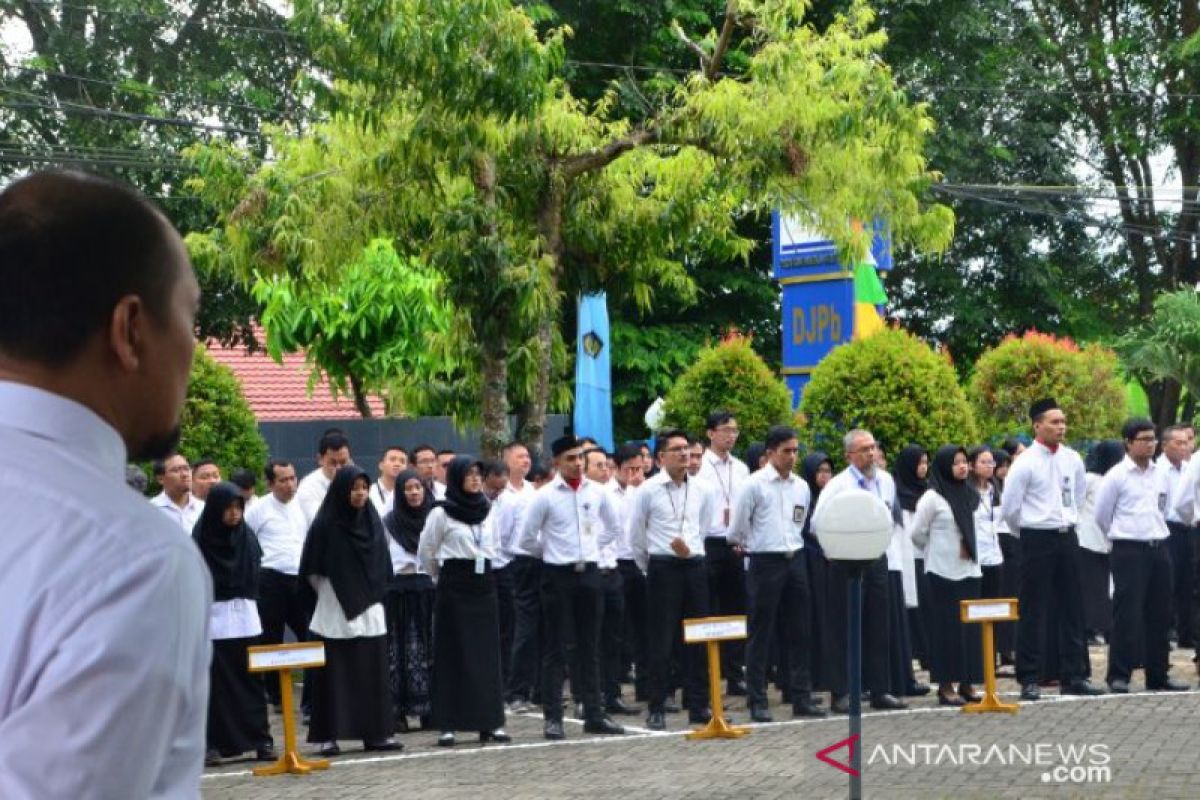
[(622, 498), (726, 476), (381, 498), (439, 490), (281, 530), (509, 511), (569, 526), (445, 537), (851, 478), (769, 512), (183, 516), (663, 511), (1044, 490), (329, 620), (1172, 478), (987, 541), (234, 619), (311, 493), (933, 527), (1185, 503), (1090, 535), (1130, 503), (104, 648)]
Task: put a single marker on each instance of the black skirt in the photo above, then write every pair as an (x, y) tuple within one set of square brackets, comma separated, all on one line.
[(1097, 603), (957, 646), (467, 688), (900, 658), (409, 607), (237, 706), (1010, 586), (350, 693)]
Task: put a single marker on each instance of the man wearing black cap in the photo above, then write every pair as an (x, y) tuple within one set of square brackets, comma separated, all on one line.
[(1042, 497), (568, 521)]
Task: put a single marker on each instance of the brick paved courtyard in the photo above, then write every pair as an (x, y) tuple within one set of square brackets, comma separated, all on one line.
[(1149, 743)]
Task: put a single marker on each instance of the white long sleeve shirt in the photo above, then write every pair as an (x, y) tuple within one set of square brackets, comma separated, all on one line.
[(509, 511), (770, 511), (1130, 503), (104, 648), (987, 540), (622, 498), (1089, 533), (663, 511), (934, 527), (726, 476), (184, 516), (444, 538), (1173, 479), (281, 530), (1185, 503), (311, 493), (1044, 490), (569, 526)]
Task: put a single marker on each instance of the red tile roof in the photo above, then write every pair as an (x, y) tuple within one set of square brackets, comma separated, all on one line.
[(279, 392)]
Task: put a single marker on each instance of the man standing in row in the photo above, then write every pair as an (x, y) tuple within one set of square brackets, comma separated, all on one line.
[(631, 474), (393, 461), (176, 500), (333, 453), (205, 475), (525, 568)]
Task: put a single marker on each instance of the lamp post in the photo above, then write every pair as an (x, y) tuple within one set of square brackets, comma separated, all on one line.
[(854, 528)]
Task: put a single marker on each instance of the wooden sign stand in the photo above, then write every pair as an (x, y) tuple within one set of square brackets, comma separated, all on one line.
[(986, 613), (712, 631), (283, 658)]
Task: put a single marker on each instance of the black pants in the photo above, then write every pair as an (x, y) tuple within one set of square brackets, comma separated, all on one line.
[(726, 595), (1050, 573), (612, 634), (778, 596), (281, 602), (633, 641), (1142, 593), (676, 589), (1183, 557), (572, 605), (874, 632), (957, 649), (1010, 586), (525, 661), (1094, 573), (505, 605)]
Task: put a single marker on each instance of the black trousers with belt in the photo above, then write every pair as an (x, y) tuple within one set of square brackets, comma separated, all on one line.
[(777, 594), (875, 648), (633, 642), (1142, 607), (1050, 574), (572, 610), (612, 634), (1183, 557), (282, 602), (726, 595), (676, 588), (525, 662)]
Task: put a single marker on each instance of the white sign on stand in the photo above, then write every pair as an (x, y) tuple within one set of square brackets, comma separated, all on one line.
[(714, 629), (285, 656)]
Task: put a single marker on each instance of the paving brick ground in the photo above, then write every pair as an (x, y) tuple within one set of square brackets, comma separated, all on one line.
[(1149, 743)]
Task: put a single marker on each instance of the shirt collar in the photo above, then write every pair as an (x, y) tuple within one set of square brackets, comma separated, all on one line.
[(1131, 466), (1045, 448), (861, 479), (65, 422), (715, 459), (775, 476)]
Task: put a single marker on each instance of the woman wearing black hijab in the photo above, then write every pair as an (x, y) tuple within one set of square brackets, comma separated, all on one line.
[(237, 707), (817, 469), (408, 603), (944, 526), (457, 546), (912, 481), (1094, 546), (346, 561)]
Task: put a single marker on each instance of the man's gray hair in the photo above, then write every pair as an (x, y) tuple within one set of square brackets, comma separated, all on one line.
[(854, 435)]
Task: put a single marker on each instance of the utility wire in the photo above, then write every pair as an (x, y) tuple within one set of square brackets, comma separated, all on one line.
[(51, 103)]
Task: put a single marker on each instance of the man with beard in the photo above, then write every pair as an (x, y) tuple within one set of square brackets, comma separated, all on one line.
[(104, 647)]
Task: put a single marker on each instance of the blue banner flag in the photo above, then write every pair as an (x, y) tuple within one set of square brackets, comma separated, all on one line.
[(593, 382)]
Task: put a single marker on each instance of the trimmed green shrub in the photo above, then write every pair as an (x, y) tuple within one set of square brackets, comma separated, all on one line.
[(1086, 382), (891, 384), (217, 421), (730, 376)]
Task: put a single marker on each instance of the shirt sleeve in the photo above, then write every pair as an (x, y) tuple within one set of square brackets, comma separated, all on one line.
[(1106, 500), (1014, 495), (431, 540), (743, 515), (611, 522), (1185, 502), (922, 520), (531, 524), (117, 709), (637, 529)]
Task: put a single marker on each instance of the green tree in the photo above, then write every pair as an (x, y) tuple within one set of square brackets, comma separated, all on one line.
[(892, 384), (217, 422), (1086, 381), (1168, 346), (731, 377)]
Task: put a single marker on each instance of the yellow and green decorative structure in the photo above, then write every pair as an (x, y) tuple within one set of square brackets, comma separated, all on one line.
[(825, 302)]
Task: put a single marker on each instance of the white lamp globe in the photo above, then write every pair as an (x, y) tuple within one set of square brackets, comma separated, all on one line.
[(854, 525)]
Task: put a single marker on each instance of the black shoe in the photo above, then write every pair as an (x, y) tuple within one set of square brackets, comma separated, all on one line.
[(1169, 685), (736, 688), (553, 730), (805, 707), (499, 736), (760, 714), (446, 739), (1118, 686), (951, 699), (619, 706), (603, 725), (328, 750), (387, 745), (840, 704), (655, 721), (969, 695), (1030, 692), (671, 707), (212, 759), (700, 717), (887, 702), (1082, 686), (266, 753), (917, 689)]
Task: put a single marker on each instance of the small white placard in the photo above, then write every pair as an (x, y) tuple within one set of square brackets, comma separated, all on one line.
[(307, 654), (714, 630), (986, 611)]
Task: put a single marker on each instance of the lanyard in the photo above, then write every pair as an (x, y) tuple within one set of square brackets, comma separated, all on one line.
[(726, 490), (681, 514), (477, 535)]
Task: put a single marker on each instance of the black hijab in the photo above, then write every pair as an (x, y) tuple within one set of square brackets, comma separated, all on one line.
[(469, 508), (909, 487), (754, 454), (233, 554), (961, 497), (348, 546), (405, 522), (1105, 455), (808, 470)]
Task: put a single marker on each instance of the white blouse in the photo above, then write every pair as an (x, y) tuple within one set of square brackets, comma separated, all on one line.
[(445, 538), (934, 528), (234, 619), (987, 544), (330, 621), (1090, 536)]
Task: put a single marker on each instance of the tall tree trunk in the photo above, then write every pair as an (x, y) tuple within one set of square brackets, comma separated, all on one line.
[(494, 399), (533, 413), (361, 404)]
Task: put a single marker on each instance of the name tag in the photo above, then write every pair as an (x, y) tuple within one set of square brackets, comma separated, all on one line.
[(798, 515), (479, 565), (1162, 502), (1068, 498)]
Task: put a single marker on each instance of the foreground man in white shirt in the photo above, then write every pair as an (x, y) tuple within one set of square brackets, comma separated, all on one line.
[(1129, 509), (104, 647)]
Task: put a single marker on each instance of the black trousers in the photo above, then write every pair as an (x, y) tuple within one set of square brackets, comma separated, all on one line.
[(1094, 572), (1050, 573), (1183, 557), (957, 649), (778, 597), (875, 648), (505, 587), (1142, 592), (612, 634), (281, 602), (726, 595), (1010, 586), (572, 607), (525, 661), (676, 589), (633, 640)]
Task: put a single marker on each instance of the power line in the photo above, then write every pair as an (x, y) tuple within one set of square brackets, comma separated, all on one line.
[(175, 18), (50, 103)]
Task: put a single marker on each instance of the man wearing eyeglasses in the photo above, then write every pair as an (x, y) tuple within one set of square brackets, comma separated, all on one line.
[(1130, 508)]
